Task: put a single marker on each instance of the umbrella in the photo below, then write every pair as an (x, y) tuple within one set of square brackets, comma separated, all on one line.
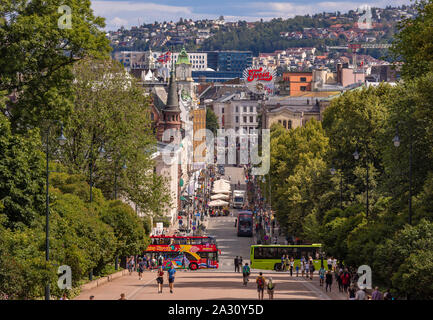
[(218, 203), (220, 196)]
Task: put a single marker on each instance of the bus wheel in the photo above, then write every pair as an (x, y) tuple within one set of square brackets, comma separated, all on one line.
[(277, 267), (193, 266)]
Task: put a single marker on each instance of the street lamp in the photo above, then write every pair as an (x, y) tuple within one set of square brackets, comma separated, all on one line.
[(61, 140), (356, 156), (124, 167), (396, 141)]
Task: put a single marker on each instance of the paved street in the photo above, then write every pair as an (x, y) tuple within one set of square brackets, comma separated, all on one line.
[(190, 285)]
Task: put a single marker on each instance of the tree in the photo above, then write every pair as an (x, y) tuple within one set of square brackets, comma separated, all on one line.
[(413, 43), (37, 57), (112, 112), (21, 175), (211, 121)]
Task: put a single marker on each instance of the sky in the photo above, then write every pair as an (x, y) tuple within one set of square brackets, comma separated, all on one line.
[(129, 13)]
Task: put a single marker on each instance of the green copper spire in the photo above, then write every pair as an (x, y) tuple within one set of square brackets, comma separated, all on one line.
[(183, 57)]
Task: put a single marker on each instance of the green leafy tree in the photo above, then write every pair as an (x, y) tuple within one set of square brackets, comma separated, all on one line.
[(37, 56), (211, 121), (21, 175), (413, 43)]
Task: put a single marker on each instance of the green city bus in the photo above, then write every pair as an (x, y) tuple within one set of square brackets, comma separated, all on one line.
[(268, 257)]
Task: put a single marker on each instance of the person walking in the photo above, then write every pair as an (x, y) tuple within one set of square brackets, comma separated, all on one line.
[(312, 269), (321, 275), (376, 295), (329, 261), (328, 281), (387, 295), (334, 264), (245, 274), (307, 269), (352, 292), (171, 274), (240, 262), (360, 294), (160, 279), (270, 288), (297, 270), (140, 269), (302, 268), (236, 264), (345, 280), (261, 282), (339, 280), (283, 262), (122, 296), (292, 264), (64, 296), (287, 262)]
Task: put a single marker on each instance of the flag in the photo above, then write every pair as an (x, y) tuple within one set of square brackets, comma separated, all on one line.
[(165, 57)]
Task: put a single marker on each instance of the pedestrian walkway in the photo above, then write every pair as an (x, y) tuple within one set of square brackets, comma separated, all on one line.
[(193, 285)]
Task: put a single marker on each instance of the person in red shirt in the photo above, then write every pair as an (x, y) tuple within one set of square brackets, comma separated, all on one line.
[(345, 280)]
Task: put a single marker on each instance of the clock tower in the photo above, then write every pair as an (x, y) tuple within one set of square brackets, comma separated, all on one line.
[(184, 75)]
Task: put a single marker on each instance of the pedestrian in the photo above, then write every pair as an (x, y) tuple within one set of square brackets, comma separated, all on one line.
[(236, 264), (64, 297), (376, 295), (160, 279), (292, 263), (171, 274), (328, 281), (92, 298), (236, 222), (261, 282), (352, 292), (240, 262), (360, 294), (287, 262), (140, 268), (339, 280), (122, 296), (312, 269), (302, 268), (387, 295), (297, 270), (307, 269), (245, 274), (334, 264), (283, 265), (329, 263), (345, 280), (270, 288), (321, 275)]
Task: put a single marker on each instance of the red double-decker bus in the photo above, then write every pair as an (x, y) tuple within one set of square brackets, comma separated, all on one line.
[(184, 252)]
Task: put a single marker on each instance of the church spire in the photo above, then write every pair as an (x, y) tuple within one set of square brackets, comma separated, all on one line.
[(172, 96)]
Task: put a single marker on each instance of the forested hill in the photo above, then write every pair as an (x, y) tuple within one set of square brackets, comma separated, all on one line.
[(268, 37), (265, 36)]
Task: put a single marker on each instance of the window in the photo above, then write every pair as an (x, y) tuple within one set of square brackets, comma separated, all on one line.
[(237, 119), (245, 119), (237, 109), (251, 109), (284, 124), (289, 124), (251, 119), (152, 116), (303, 88), (303, 79), (245, 109), (222, 110)]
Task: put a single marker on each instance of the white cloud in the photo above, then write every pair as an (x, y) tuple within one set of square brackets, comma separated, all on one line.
[(130, 13)]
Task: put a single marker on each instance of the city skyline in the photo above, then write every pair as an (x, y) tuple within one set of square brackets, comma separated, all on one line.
[(130, 13)]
